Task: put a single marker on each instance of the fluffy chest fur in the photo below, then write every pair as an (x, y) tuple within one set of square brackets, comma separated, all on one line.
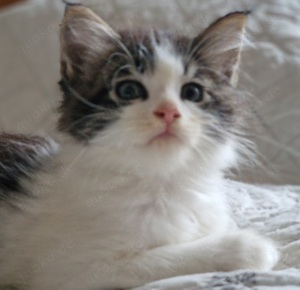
[(124, 206), (107, 215)]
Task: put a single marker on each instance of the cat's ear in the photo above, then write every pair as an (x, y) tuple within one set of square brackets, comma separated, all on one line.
[(84, 36), (219, 46)]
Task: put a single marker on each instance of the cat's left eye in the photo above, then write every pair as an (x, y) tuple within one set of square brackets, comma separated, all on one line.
[(131, 90), (192, 92)]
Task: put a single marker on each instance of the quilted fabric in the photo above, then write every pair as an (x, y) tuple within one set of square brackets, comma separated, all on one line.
[(274, 212)]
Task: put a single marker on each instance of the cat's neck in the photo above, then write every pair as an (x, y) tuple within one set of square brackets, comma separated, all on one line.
[(100, 167)]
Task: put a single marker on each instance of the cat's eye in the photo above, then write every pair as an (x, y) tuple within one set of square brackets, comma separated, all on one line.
[(192, 92), (131, 90)]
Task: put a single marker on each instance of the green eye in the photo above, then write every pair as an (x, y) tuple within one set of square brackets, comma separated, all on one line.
[(192, 92), (131, 90)]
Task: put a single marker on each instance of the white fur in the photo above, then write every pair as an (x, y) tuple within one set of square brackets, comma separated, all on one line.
[(119, 213)]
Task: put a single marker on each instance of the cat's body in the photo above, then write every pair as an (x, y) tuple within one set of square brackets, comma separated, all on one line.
[(135, 193), (91, 214)]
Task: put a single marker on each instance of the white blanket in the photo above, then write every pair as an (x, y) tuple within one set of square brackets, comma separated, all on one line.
[(275, 212)]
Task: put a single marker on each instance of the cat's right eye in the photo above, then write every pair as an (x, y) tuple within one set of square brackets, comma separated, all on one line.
[(131, 90), (192, 92)]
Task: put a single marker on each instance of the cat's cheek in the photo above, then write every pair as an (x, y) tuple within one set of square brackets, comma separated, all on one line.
[(192, 132)]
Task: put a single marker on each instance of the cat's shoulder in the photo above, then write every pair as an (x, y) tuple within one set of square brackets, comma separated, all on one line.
[(20, 157)]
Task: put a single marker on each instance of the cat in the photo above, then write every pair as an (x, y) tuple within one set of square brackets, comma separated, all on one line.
[(132, 190)]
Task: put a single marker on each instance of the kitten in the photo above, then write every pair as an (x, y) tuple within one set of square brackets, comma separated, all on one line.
[(134, 192)]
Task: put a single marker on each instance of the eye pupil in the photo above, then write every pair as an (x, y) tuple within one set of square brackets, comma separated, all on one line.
[(192, 92), (131, 90), (127, 90)]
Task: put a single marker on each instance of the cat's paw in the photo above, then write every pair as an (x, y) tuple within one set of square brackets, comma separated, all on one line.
[(245, 250)]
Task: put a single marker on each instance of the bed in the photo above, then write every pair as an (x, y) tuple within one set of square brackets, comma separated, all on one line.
[(272, 211), (270, 71)]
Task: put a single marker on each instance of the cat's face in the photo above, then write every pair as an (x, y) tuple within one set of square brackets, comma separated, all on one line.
[(154, 96)]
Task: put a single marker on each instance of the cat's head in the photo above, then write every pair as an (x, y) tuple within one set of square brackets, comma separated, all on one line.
[(157, 98)]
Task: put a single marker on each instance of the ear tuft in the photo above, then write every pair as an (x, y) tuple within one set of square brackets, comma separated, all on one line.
[(84, 36), (219, 46)]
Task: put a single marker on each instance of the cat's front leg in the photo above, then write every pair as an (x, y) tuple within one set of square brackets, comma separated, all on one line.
[(234, 251)]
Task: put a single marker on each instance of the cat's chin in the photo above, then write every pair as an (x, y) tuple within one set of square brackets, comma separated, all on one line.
[(164, 138), (162, 154)]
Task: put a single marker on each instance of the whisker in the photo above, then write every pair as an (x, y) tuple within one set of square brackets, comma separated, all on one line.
[(284, 115), (118, 71), (91, 116), (116, 54), (79, 97), (125, 49), (281, 146)]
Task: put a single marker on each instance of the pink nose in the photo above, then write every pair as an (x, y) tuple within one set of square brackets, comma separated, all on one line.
[(167, 113)]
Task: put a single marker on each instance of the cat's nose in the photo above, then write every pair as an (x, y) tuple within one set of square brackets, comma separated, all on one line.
[(168, 113)]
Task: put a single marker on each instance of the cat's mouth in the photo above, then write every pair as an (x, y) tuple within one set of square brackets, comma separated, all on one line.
[(166, 136)]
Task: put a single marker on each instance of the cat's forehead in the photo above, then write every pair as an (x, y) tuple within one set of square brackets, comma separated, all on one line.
[(167, 75), (151, 38), (157, 53), (169, 63)]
